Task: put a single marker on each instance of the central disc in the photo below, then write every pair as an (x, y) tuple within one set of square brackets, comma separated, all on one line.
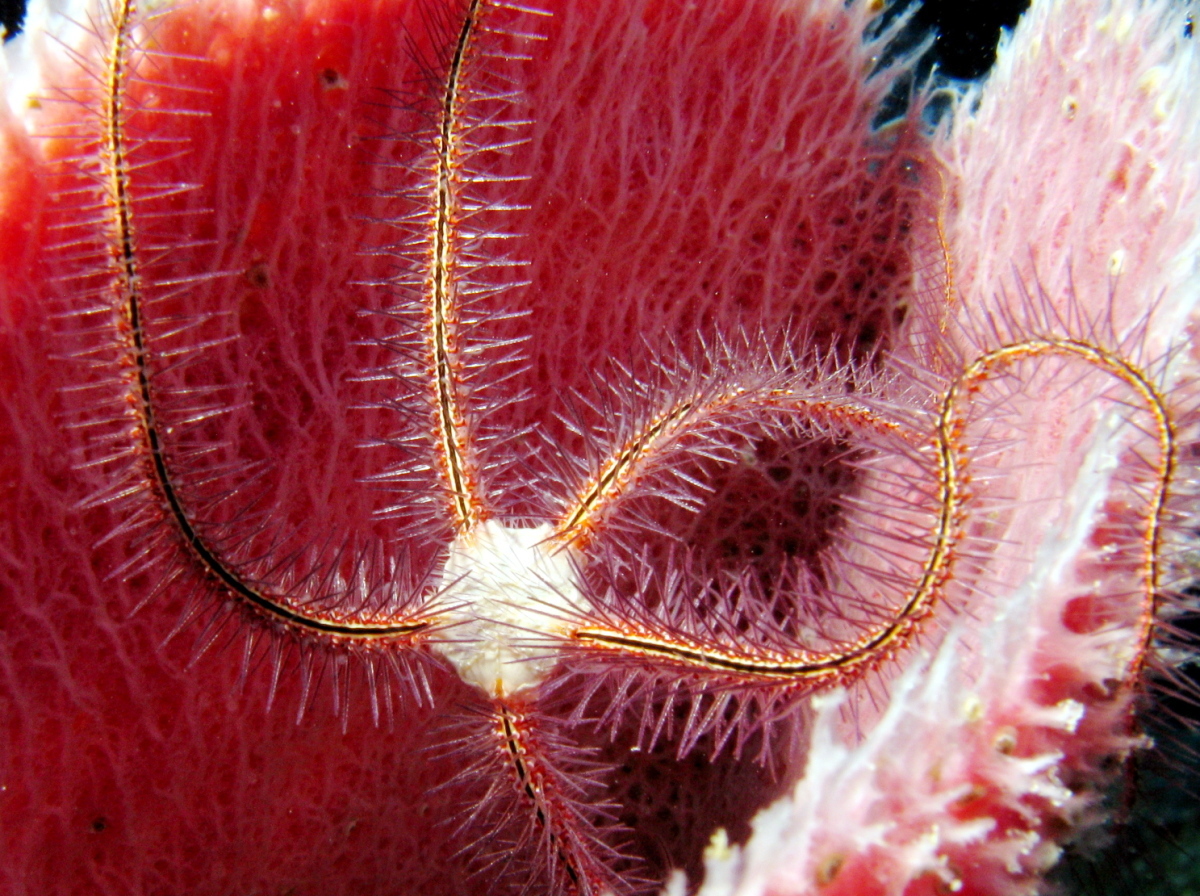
[(505, 589)]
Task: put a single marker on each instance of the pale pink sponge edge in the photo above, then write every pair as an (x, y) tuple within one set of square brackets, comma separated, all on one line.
[(1072, 194)]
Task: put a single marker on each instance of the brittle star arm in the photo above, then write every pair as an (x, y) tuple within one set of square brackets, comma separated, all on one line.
[(451, 427), (844, 662), (128, 277), (816, 666), (1152, 400)]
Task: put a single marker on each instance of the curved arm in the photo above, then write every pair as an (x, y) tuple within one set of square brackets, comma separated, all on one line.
[(819, 668)]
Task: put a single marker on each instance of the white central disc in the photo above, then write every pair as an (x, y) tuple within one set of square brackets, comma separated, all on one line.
[(510, 590)]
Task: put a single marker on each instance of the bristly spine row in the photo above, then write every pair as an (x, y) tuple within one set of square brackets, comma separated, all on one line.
[(818, 669), (451, 424), (813, 668), (531, 783), (130, 289), (950, 424)]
